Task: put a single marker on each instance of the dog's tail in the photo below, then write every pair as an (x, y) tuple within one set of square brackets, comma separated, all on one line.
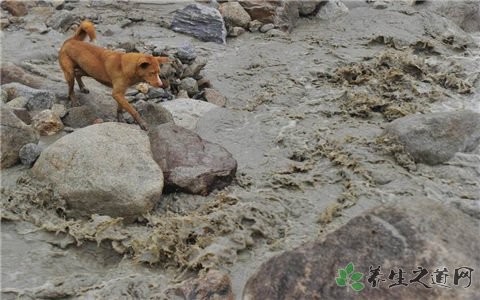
[(85, 28)]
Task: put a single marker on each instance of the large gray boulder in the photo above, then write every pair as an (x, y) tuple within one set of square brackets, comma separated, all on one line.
[(14, 135), (201, 21), (189, 163), (425, 234), (465, 13), (103, 169), (434, 138)]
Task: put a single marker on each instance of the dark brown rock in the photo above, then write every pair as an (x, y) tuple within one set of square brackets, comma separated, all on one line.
[(214, 285), (153, 114), (23, 114), (424, 234), (189, 163), (16, 8), (283, 13)]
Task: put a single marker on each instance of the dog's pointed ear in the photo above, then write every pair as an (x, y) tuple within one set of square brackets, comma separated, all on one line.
[(162, 59)]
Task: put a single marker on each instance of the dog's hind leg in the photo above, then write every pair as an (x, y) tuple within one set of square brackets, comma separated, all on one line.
[(120, 117), (68, 67), (79, 73)]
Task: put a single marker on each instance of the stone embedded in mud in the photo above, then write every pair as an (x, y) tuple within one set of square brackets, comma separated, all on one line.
[(36, 99), (194, 69), (255, 26), (236, 31), (215, 97), (203, 22), (16, 8), (186, 53), (186, 112), (405, 236), (283, 13), (19, 102), (331, 10), (79, 116), (266, 28), (47, 122), (104, 169), (29, 154), (190, 163), (434, 138), (62, 20), (214, 285), (234, 14), (14, 134)]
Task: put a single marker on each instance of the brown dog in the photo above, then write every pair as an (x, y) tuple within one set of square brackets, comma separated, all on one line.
[(114, 69)]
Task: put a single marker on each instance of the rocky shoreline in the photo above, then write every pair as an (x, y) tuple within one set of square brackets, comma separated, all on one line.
[(293, 138)]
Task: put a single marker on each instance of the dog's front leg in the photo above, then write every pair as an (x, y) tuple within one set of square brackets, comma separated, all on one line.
[(119, 96)]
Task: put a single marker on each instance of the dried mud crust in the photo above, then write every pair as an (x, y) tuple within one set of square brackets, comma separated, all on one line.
[(205, 238), (394, 83)]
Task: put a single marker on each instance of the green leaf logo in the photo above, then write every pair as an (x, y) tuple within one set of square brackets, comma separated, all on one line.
[(348, 277)]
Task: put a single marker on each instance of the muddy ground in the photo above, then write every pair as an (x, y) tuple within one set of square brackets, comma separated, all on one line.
[(303, 123)]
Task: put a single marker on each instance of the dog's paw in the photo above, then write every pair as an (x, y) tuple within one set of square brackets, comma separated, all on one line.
[(85, 90), (143, 125)]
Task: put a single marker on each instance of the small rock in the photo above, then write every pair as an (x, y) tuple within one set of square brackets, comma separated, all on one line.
[(195, 68), (331, 10), (254, 26), (182, 94), (37, 28), (234, 14), (186, 53), (29, 154), (36, 99), (186, 112), (267, 27), (190, 85), (213, 285), (153, 114), (84, 168), (215, 97), (13, 135), (19, 102), (156, 93), (434, 138), (189, 163), (142, 88), (203, 22), (4, 22), (62, 20), (204, 83), (16, 8), (23, 114), (59, 109), (380, 5), (308, 7), (283, 13), (47, 122), (80, 116), (236, 31)]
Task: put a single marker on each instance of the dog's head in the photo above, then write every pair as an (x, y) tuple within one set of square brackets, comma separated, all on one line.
[(148, 69)]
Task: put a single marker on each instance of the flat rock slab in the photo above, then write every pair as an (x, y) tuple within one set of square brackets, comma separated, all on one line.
[(186, 112), (423, 235), (104, 169), (203, 22), (435, 138), (189, 163)]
